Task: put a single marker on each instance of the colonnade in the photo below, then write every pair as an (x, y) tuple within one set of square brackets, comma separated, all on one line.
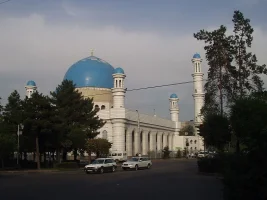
[(147, 141)]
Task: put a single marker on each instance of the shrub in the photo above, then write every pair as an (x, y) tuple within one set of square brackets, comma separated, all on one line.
[(178, 154), (166, 153), (67, 165)]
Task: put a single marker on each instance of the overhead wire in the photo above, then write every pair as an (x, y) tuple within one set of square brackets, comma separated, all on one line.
[(152, 87)]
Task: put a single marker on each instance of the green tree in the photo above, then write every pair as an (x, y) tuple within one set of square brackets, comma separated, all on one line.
[(7, 140), (233, 71), (216, 131), (38, 112), (166, 152), (246, 72), (12, 117), (75, 118), (99, 146), (248, 121), (245, 173), (219, 56), (187, 130)]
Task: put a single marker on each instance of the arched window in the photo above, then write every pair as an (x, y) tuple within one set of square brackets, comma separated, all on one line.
[(191, 141), (116, 83), (96, 107), (103, 107), (119, 83), (105, 134), (195, 141)]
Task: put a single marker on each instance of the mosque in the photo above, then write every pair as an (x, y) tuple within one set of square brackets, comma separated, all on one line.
[(130, 131)]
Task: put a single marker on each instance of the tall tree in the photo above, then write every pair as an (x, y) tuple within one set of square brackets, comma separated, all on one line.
[(75, 120), (38, 113), (246, 71), (218, 54), (233, 71)]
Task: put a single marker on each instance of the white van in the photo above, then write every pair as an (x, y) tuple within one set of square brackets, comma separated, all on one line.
[(118, 156)]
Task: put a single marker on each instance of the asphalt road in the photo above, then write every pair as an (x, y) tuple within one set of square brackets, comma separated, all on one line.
[(173, 179)]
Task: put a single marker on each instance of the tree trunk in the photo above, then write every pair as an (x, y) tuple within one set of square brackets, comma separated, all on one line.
[(64, 155), (58, 156), (237, 145), (37, 153), (3, 166), (220, 89), (75, 154), (89, 157)]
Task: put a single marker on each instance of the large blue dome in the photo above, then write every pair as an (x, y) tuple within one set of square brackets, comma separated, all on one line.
[(91, 72)]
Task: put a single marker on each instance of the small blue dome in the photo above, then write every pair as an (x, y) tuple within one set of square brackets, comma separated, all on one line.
[(173, 96), (118, 71), (91, 72), (31, 83), (196, 55)]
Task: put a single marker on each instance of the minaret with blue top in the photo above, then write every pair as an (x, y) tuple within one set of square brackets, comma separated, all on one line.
[(118, 90), (174, 109), (30, 88), (198, 93), (118, 112)]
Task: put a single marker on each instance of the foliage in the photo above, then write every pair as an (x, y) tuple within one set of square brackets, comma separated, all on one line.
[(75, 120), (233, 71), (248, 121), (38, 112), (67, 165), (166, 152), (216, 131), (179, 153), (187, 130), (7, 143), (99, 146)]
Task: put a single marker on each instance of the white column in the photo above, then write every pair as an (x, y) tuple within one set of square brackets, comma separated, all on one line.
[(118, 126), (170, 141), (129, 142), (165, 140), (145, 143), (152, 141), (136, 142), (159, 142)]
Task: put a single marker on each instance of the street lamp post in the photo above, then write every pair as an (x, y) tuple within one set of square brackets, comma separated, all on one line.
[(18, 134), (138, 125)]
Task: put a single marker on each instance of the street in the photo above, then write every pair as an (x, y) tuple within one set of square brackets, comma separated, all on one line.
[(166, 179)]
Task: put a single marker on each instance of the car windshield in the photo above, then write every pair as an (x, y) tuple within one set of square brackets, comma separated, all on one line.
[(134, 159), (98, 162)]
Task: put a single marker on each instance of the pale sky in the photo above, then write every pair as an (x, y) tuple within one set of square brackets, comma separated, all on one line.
[(152, 40)]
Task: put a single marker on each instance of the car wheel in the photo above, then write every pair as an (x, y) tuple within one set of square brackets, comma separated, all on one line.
[(113, 169), (136, 167), (101, 170), (148, 166)]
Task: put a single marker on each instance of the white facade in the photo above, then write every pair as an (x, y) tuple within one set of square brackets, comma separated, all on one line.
[(133, 132)]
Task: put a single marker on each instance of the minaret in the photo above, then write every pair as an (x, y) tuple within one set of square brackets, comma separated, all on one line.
[(174, 110), (117, 113), (198, 88), (118, 90), (30, 88), (198, 96)]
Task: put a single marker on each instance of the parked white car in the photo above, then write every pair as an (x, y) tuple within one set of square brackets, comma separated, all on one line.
[(137, 163), (101, 165)]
